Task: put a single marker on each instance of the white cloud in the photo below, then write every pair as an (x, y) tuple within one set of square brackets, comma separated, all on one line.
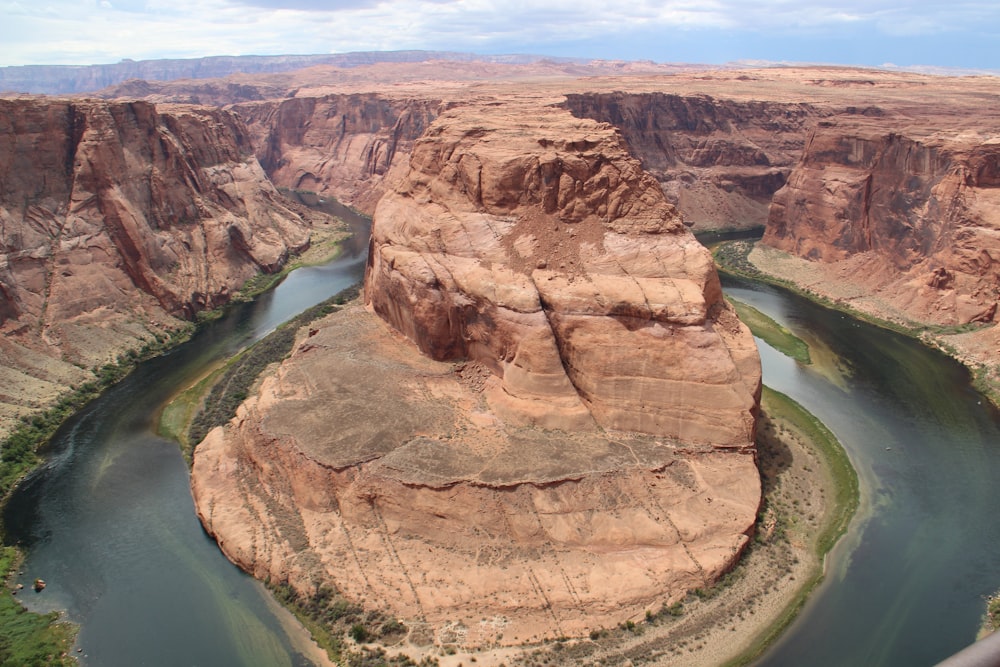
[(86, 31)]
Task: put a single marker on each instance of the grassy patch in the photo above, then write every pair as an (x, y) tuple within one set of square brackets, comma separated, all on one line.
[(782, 408), (219, 394), (27, 638), (331, 618), (42, 639), (176, 417), (732, 259), (847, 490), (20, 449), (991, 621), (772, 333)]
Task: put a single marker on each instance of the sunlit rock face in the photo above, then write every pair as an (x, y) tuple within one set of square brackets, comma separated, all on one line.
[(538, 247), (915, 213), (117, 218), (541, 423)]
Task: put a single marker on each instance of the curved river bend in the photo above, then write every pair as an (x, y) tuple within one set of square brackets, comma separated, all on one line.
[(906, 587), (110, 525)]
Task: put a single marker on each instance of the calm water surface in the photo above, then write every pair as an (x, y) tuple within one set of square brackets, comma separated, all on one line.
[(109, 522), (906, 586)]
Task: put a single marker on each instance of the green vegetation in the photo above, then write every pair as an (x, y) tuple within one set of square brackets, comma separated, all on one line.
[(845, 479), (220, 393), (843, 505), (330, 617), (176, 417), (30, 639), (732, 259), (991, 621), (772, 333), (43, 639), (20, 449)]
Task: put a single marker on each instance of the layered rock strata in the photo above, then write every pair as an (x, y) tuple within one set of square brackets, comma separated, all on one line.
[(718, 160), (349, 146), (911, 216), (117, 219), (541, 249), (548, 427)]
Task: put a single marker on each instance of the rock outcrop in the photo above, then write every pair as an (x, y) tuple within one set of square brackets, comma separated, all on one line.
[(552, 429), (914, 214), (117, 219), (718, 160), (344, 145), (541, 249)]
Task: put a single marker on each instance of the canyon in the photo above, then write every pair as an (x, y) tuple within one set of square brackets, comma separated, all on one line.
[(121, 221), (562, 430)]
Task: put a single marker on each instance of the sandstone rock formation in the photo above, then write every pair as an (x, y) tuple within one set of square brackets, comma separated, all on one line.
[(346, 145), (540, 248), (719, 160), (914, 214), (116, 219), (575, 445)]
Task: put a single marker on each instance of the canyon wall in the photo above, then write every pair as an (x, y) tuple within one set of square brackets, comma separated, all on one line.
[(718, 160), (915, 215), (347, 146), (117, 219)]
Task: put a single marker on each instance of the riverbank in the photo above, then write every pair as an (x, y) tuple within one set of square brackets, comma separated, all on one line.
[(810, 493), (24, 633), (27, 638), (974, 345)]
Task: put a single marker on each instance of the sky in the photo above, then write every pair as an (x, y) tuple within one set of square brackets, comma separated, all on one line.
[(956, 34)]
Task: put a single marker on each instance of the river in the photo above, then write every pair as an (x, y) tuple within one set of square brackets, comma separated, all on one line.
[(906, 586), (109, 523)]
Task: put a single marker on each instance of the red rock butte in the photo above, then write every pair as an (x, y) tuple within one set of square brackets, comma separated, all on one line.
[(549, 427)]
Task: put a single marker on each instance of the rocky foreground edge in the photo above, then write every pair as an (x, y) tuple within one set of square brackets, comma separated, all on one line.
[(543, 422)]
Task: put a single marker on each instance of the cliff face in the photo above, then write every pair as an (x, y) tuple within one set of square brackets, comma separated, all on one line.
[(544, 251), (921, 211), (718, 160), (117, 218), (344, 145), (566, 440)]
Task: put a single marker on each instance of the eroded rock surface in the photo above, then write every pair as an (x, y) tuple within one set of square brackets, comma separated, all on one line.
[(548, 428), (117, 219), (719, 160), (346, 144), (911, 214), (530, 241)]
